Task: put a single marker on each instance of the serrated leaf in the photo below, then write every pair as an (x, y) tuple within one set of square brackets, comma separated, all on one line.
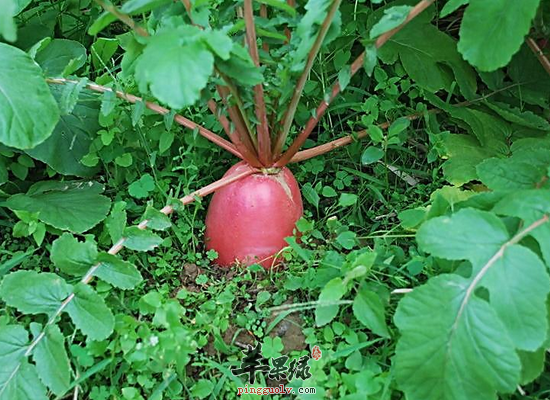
[(116, 221), (21, 383), (332, 292), (70, 94), (90, 314), (470, 355), (509, 174), (240, 67), (219, 42), (28, 120), (502, 38), (140, 240), (175, 67), (60, 54), (369, 310), (517, 116), (117, 272), (74, 206), (142, 187), (52, 362), (156, 219), (13, 344), (523, 312), (34, 293), (468, 234), (73, 257)]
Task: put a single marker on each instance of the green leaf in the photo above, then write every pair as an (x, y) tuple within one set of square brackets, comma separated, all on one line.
[(509, 174), (34, 293), (347, 240), (451, 6), (52, 362), (202, 389), (517, 116), (425, 53), (29, 119), (240, 67), (393, 17), (14, 341), (328, 191), (219, 42), (371, 59), (116, 221), (61, 57), (74, 206), (8, 28), (90, 314), (21, 383), (347, 199), (124, 160), (281, 5), (344, 77), (369, 310), (491, 46), (156, 219), (523, 312), (117, 272), (468, 234), (142, 187), (532, 365), (73, 257), (310, 194), (102, 50), (175, 67), (452, 347), (332, 292), (371, 155), (140, 240)]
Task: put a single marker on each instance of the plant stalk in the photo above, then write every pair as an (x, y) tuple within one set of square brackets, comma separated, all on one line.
[(538, 52), (263, 138), (124, 18), (355, 66), (293, 105), (180, 119)]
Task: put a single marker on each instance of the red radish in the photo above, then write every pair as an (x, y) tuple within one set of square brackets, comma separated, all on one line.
[(249, 219)]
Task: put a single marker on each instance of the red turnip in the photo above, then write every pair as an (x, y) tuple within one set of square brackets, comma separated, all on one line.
[(249, 219)]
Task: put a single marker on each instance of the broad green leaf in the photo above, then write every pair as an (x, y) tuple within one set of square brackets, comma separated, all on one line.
[(102, 50), (371, 155), (61, 57), (142, 187), (21, 383), (468, 234), (75, 206), (29, 119), (8, 28), (140, 240), (74, 133), (517, 116), (156, 219), (13, 344), (451, 6), (425, 52), (371, 59), (347, 240), (529, 205), (116, 221), (219, 42), (310, 194), (453, 346), (344, 77), (332, 292), (532, 365), (52, 362), (90, 314), (347, 199), (34, 293), (393, 17), (240, 67), (489, 46), (175, 66), (523, 312), (509, 174), (73, 257), (282, 5), (20, 5), (369, 310), (117, 272)]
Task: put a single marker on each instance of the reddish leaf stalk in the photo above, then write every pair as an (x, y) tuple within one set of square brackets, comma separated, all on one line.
[(293, 105), (180, 119), (263, 139), (356, 65), (263, 14), (239, 135), (540, 55), (288, 34)]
